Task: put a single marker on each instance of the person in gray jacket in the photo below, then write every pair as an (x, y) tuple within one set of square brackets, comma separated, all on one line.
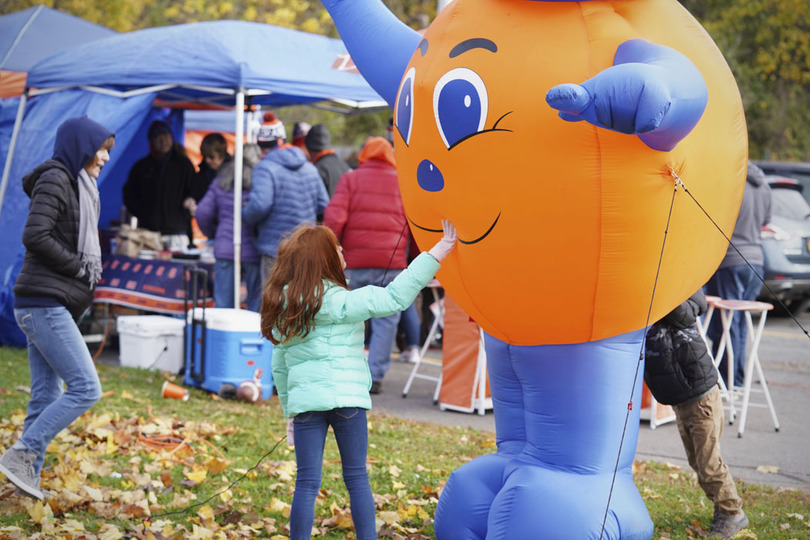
[(316, 326), (739, 276)]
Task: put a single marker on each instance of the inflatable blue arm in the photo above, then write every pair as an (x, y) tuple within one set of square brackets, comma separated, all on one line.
[(380, 44), (651, 90)]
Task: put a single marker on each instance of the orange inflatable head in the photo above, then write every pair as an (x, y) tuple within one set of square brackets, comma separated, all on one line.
[(562, 225)]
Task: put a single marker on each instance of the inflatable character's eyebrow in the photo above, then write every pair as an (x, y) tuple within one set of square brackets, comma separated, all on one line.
[(473, 43), (423, 47)]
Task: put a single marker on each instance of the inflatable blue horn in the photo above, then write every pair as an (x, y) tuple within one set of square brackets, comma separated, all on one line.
[(380, 44)]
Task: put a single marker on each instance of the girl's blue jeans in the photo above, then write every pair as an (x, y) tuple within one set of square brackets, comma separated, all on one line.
[(57, 353), (351, 433)]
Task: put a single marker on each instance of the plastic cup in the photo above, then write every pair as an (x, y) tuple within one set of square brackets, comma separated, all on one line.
[(171, 390)]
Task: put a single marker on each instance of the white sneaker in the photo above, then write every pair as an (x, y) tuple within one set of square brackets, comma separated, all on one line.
[(410, 356)]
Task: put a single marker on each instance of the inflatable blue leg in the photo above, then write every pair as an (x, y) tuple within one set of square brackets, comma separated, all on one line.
[(559, 415)]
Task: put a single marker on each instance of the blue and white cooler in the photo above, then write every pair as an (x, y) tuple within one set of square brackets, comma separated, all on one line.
[(225, 347)]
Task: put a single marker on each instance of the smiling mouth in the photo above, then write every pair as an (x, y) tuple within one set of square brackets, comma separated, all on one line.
[(467, 242)]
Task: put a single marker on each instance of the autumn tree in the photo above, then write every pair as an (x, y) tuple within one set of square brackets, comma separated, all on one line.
[(767, 46), (766, 43)]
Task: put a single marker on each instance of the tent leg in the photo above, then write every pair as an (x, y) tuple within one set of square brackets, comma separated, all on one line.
[(10, 156), (237, 198)]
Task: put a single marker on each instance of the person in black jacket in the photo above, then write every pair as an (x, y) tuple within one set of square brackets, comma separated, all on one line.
[(679, 371), (330, 166), (159, 189), (61, 267)]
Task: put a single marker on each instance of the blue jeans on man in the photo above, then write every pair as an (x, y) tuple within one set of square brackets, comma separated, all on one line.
[(351, 433), (740, 282), (224, 270), (383, 329), (57, 352)]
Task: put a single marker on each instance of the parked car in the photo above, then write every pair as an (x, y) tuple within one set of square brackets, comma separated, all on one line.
[(786, 244), (797, 171)]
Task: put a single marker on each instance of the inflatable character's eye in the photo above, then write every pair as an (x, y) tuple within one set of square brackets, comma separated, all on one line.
[(404, 113), (460, 105)]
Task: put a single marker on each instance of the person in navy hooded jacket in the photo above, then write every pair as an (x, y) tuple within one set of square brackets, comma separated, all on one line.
[(55, 286)]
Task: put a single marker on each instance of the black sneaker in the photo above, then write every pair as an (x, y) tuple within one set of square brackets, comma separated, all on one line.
[(376, 387), (726, 526)]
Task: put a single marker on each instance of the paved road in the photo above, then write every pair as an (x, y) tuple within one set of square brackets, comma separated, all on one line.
[(785, 357)]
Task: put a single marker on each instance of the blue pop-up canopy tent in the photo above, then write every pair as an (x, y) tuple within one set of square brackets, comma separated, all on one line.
[(126, 80), (26, 38), (33, 34)]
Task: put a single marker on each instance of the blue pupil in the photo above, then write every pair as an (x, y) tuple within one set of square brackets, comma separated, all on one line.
[(459, 110)]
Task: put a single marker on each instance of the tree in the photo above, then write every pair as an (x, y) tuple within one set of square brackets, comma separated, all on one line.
[(766, 43), (767, 46)]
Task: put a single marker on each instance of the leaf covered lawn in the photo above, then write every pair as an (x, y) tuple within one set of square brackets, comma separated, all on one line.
[(140, 466)]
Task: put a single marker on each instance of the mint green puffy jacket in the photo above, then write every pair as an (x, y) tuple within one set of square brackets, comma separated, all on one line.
[(326, 369)]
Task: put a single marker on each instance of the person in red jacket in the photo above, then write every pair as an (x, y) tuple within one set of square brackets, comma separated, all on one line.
[(367, 215)]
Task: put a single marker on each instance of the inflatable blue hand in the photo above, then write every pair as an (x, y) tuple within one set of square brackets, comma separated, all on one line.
[(651, 90)]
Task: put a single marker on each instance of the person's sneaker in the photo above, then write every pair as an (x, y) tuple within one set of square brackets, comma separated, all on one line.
[(410, 356), (726, 526), (376, 387), (18, 466)]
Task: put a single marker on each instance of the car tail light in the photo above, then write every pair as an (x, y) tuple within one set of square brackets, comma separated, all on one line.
[(774, 232)]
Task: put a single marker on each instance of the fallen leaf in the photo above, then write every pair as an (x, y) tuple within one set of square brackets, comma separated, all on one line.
[(40, 513), (108, 531), (206, 513), (196, 475), (94, 493), (233, 518), (199, 533), (768, 469), (166, 478), (389, 518), (71, 526), (215, 466)]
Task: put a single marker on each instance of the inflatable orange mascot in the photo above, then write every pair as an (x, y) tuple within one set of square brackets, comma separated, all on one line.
[(587, 152)]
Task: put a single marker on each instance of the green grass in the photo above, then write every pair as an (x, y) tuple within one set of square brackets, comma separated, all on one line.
[(107, 479)]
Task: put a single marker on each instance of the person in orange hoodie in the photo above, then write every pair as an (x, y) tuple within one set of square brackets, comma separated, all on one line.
[(367, 215)]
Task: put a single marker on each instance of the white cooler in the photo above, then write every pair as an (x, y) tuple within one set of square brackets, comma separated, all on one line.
[(151, 342)]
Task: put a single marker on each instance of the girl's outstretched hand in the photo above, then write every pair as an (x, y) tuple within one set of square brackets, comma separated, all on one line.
[(444, 246)]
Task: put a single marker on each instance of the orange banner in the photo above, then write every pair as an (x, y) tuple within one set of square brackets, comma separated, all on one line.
[(460, 360)]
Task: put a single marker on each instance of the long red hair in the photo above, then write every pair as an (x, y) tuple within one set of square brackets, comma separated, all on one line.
[(294, 290)]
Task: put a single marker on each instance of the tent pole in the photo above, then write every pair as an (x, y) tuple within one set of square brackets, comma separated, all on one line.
[(237, 196), (9, 157)]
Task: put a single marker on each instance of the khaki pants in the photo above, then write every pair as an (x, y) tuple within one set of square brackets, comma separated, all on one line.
[(700, 424)]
